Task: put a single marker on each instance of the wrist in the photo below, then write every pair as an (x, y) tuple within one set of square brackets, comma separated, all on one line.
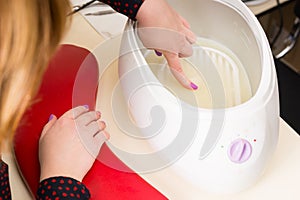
[(143, 10), (61, 187), (46, 174)]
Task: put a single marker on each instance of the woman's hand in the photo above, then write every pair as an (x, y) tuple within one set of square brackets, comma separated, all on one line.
[(161, 28), (69, 145)]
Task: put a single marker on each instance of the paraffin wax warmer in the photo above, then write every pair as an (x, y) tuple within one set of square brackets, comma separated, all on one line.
[(220, 141)]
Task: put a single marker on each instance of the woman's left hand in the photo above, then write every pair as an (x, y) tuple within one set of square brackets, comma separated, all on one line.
[(69, 145)]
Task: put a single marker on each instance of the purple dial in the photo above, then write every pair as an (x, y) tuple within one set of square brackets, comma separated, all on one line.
[(239, 151)]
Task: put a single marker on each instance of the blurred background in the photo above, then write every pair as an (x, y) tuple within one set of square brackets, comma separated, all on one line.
[(282, 26)]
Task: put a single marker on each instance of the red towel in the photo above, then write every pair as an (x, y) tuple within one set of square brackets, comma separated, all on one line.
[(56, 96)]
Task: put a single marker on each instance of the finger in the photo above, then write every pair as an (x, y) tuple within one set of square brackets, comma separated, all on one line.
[(76, 112), (101, 137), (98, 141), (106, 135), (95, 127), (52, 120), (177, 71), (189, 35), (184, 22), (102, 125), (88, 117), (94, 142), (186, 51)]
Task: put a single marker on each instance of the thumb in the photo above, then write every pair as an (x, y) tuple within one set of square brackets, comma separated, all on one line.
[(52, 120)]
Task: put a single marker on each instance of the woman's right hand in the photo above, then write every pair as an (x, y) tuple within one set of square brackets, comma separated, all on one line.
[(69, 145), (161, 28)]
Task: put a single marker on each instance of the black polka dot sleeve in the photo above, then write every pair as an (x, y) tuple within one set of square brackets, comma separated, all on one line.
[(126, 7), (62, 188), (4, 182)]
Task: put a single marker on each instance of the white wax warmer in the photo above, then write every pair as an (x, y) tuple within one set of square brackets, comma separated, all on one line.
[(224, 147)]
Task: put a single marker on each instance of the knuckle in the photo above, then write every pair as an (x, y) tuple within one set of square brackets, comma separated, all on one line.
[(64, 121)]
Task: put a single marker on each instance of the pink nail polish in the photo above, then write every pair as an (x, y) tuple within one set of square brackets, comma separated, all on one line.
[(195, 87)]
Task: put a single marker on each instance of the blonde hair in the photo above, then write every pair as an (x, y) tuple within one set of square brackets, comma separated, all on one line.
[(30, 32)]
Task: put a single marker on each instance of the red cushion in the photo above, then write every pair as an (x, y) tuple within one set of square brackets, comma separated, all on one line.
[(58, 93)]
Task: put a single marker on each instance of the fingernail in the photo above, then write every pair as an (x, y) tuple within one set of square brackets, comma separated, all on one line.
[(98, 113), (51, 117), (86, 106), (103, 122), (158, 53), (195, 87)]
